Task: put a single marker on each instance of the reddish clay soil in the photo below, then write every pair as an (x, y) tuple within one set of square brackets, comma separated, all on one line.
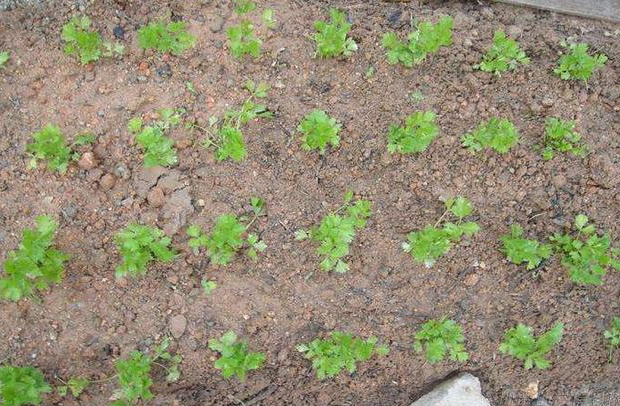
[(83, 325)]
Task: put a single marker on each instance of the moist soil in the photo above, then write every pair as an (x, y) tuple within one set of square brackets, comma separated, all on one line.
[(81, 326)]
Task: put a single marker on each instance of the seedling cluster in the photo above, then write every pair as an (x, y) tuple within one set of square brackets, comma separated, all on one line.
[(36, 264)]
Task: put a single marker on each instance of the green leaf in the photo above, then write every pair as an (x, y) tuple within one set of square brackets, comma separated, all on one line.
[(208, 286), (225, 239), (498, 134), (158, 149), (22, 386), (416, 136), (244, 6), (235, 359), (522, 345), (440, 337), (560, 136), (50, 145), (579, 64), (133, 377), (519, 250), (84, 139), (504, 55), (268, 18), (4, 58), (460, 207), (172, 37), (139, 245), (580, 221), (319, 131), (81, 41), (242, 40), (331, 38)]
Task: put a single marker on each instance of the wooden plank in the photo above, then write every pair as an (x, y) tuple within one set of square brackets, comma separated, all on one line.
[(603, 9)]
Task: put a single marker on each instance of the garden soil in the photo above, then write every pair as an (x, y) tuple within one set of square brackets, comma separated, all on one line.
[(81, 326)]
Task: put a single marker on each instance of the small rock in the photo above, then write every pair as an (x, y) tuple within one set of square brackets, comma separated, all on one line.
[(119, 32), (177, 325), (164, 71), (548, 101), (217, 24), (532, 390), (514, 31), (108, 181), (462, 390), (471, 279), (156, 197), (540, 402), (87, 161)]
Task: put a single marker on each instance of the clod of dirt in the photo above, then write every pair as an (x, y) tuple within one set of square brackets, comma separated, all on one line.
[(108, 181), (176, 211), (177, 325), (156, 197), (164, 71), (119, 32), (217, 24), (88, 161)]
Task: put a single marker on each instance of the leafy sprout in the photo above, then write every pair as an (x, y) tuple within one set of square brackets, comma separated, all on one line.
[(578, 64), (171, 37), (560, 136), (50, 145), (319, 130), (158, 149), (520, 250), (497, 134), (22, 386), (504, 55), (418, 133), (522, 345), (430, 243), (139, 245), (4, 58), (613, 337), (331, 37), (235, 359), (441, 337), (80, 40)]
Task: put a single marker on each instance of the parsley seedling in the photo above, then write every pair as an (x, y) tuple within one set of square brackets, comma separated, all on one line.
[(340, 351), (75, 385), (426, 39), (244, 6), (336, 232), (227, 236), (320, 130), (22, 386), (504, 55), (560, 136), (268, 19), (139, 245), (208, 286), (158, 149), (427, 245), (498, 134), (331, 38), (227, 140), (613, 336), (418, 133), (521, 344), (50, 145), (243, 41), (80, 40), (586, 256), (578, 64), (235, 359), (35, 265), (4, 58), (172, 37), (437, 338), (519, 250)]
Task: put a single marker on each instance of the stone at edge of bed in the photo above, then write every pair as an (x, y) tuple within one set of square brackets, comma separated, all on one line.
[(462, 390)]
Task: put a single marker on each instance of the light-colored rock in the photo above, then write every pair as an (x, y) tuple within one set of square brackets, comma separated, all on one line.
[(177, 325), (462, 390)]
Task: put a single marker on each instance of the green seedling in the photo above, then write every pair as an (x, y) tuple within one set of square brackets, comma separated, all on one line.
[(438, 338), (35, 265), (427, 245), (425, 40), (227, 236), (85, 43), (235, 359), (50, 145), (243, 41), (244, 6), (498, 134), (331, 38), (560, 136), (522, 345), (228, 140), (613, 337), (4, 58), (158, 149), (520, 250), (164, 37), (319, 130), (418, 133), (578, 64), (586, 255), (269, 19), (340, 351), (22, 386), (504, 55), (336, 232), (139, 245), (208, 286), (75, 386)]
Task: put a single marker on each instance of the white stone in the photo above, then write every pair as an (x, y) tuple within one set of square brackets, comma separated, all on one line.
[(462, 390)]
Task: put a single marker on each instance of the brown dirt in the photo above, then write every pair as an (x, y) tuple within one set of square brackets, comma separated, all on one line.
[(82, 325)]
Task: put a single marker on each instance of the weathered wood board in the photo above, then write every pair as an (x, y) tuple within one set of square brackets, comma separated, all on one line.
[(603, 9)]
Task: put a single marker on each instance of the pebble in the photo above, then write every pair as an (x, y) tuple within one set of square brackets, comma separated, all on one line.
[(156, 197), (88, 161), (217, 24), (177, 325), (108, 181)]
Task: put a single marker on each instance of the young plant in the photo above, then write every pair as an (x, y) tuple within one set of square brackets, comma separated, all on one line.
[(613, 336), (268, 19), (227, 236), (427, 39), (134, 378), (331, 38), (320, 130), (208, 286), (35, 265), (158, 149), (519, 250), (440, 337), (22, 386), (75, 385), (336, 232), (522, 345), (586, 255), (228, 140), (85, 43), (340, 351), (50, 145), (498, 134), (243, 41), (578, 64), (504, 55), (418, 133), (427, 245), (560, 136), (4, 58), (171, 37), (235, 359), (139, 245)]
